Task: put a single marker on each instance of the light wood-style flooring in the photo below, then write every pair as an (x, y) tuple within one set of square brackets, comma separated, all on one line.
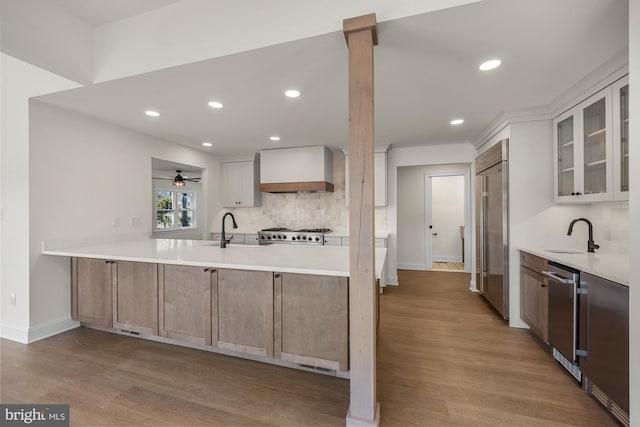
[(447, 266), (444, 359)]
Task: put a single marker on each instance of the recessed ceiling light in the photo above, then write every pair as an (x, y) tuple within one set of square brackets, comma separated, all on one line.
[(490, 65), (152, 113), (292, 93), (275, 138), (207, 144), (215, 104), (456, 121)]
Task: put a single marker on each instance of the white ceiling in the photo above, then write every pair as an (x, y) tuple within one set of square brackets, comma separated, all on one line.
[(99, 12), (425, 75)]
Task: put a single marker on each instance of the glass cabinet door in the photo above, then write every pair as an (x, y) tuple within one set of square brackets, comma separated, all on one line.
[(595, 147), (624, 138), (566, 147)]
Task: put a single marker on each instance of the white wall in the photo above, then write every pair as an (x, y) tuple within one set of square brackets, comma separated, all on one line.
[(634, 207), (196, 30), (410, 202), (19, 81), (42, 33), (415, 156), (447, 210), (83, 174)]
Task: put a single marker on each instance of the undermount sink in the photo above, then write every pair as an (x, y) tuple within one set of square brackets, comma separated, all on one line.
[(564, 251)]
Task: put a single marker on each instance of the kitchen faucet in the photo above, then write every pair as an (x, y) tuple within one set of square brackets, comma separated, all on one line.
[(591, 245), (223, 238)]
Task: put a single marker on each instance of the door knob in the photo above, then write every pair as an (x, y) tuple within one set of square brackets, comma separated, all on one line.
[(435, 234)]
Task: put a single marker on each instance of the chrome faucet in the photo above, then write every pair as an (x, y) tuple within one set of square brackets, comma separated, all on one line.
[(591, 245), (223, 238)]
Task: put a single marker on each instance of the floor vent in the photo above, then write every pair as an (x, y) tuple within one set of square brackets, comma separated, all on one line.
[(316, 368), (130, 332), (617, 412), (574, 370)]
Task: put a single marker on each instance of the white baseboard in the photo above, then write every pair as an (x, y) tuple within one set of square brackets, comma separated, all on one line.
[(472, 287), (359, 422), (392, 281), (446, 258), (53, 327), (14, 333), (411, 266)]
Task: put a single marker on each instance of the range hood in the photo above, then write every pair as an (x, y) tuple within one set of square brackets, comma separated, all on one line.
[(296, 170)]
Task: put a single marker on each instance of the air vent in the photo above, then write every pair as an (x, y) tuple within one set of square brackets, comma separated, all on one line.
[(316, 369), (130, 332), (574, 370), (609, 404)]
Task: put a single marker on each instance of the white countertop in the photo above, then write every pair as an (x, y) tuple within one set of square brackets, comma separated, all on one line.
[(610, 266), (285, 258)]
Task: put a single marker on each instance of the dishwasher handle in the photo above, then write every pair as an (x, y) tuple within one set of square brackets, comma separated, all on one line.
[(554, 276)]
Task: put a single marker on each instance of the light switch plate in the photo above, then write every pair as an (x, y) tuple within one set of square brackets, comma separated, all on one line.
[(135, 221)]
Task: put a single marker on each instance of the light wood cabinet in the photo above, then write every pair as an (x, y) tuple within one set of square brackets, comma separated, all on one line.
[(240, 186), (621, 139), (135, 297), (311, 323), (245, 311), (379, 181), (534, 295), (91, 290), (185, 296)]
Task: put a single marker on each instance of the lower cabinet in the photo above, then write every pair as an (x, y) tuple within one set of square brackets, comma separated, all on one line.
[(534, 295), (311, 322), (135, 297), (185, 296), (245, 311), (91, 289)]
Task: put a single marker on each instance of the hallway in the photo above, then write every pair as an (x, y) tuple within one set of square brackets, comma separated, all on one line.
[(445, 358)]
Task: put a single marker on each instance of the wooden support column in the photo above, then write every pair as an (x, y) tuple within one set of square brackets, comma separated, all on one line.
[(361, 35)]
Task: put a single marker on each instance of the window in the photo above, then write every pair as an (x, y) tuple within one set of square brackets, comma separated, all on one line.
[(175, 210)]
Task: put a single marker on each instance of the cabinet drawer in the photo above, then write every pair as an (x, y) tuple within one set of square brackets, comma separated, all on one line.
[(533, 262)]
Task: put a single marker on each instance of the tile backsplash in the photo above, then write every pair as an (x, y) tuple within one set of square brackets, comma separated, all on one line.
[(306, 210)]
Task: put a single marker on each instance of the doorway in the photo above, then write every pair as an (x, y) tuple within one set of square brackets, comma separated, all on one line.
[(447, 221)]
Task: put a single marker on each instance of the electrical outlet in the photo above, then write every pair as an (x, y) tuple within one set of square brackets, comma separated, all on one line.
[(13, 299), (135, 221)]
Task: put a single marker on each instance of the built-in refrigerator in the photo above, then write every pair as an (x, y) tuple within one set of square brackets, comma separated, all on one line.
[(492, 237)]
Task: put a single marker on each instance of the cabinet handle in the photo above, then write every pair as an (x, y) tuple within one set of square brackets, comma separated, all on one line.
[(206, 270), (213, 270), (277, 275), (578, 194), (542, 285)]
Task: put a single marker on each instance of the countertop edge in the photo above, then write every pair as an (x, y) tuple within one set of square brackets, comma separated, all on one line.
[(572, 260)]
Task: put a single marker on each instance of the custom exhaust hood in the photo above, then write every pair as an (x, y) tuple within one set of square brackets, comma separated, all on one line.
[(296, 170)]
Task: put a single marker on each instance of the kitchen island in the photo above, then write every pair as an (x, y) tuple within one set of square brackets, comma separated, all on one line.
[(283, 304)]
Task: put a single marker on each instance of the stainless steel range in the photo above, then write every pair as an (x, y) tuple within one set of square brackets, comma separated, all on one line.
[(313, 236)]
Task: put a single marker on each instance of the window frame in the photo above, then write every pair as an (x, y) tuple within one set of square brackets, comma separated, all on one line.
[(175, 209)]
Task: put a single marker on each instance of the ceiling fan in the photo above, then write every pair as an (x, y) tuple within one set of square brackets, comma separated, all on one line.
[(179, 180)]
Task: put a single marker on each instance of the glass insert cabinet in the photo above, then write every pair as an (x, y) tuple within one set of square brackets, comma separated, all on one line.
[(592, 148)]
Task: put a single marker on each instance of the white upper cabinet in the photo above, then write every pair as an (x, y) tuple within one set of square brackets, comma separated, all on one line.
[(621, 139), (240, 187), (380, 177), (583, 151)]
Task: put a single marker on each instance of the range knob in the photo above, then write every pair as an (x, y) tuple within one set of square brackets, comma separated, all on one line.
[(317, 239)]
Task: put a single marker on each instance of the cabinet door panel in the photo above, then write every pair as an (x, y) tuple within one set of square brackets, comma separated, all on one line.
[(185, 303), (535, 302), (245, 311), (92, 288), (135, 297), (314, 320)]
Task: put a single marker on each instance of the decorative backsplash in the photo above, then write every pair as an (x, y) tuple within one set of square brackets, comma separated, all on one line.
[(305, 210)]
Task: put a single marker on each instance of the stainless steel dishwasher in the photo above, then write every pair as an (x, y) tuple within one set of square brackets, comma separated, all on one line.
[(563, 312)]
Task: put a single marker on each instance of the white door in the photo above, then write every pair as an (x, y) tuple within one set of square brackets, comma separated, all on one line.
[(447, 217)]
